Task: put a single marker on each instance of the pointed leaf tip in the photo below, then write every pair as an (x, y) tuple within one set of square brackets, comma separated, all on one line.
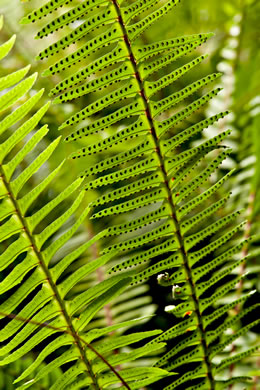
[(62, 126), (23, 20), (46, 72), (211, 34)]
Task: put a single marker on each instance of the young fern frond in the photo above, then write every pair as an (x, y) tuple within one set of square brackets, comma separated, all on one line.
[(154, 170), (36, 309)]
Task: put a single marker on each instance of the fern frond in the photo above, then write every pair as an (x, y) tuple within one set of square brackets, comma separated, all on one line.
[(36, 307), (154, 163)]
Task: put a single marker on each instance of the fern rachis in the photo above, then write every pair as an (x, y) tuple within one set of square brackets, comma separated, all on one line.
[(163, 174), (50, 312)]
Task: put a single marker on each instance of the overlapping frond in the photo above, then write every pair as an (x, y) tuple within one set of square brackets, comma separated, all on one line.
[(36, 308), (155, 173)]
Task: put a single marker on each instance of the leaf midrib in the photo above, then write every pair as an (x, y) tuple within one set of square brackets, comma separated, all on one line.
[(48, 276), (170, 198)]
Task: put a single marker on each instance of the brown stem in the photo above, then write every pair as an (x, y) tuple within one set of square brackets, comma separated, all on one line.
[(52, 284), (45, 325), (170, 198)]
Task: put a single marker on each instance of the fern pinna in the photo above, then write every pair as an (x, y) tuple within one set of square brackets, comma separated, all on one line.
[(36, 308), (153, 173)]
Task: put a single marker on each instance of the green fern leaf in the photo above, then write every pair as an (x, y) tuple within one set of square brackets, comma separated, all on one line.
[(13, 78), (69, 17), (38, 303), (6, 47), (50, 6), (155, 166)]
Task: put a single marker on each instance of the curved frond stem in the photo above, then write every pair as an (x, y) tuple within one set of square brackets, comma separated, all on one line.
[(71, 329), (80, 339)]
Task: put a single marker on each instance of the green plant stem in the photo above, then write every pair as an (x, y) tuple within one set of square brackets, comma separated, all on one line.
[(71, 330), (170, 198), (49, 279)]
